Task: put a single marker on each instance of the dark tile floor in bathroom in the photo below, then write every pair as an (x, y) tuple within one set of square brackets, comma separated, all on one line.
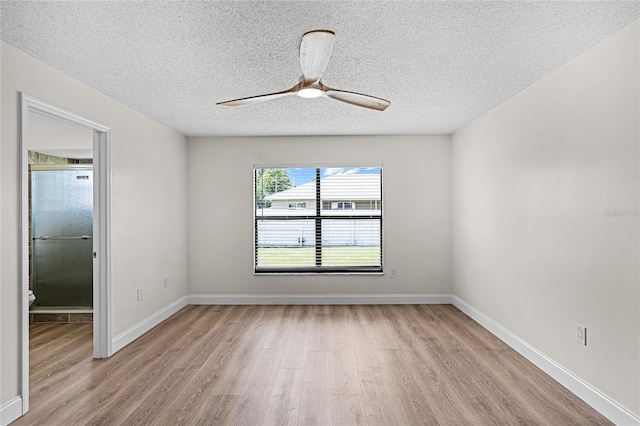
[(63, 317)]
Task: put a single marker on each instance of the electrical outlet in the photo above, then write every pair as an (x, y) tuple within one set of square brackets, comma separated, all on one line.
[(394, 272), (581, 334), (166, 282), (139, 294)]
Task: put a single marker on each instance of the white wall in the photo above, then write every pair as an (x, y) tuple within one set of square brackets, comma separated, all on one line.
[(149, 222), (416, 203), (545, 215), (55, 137)]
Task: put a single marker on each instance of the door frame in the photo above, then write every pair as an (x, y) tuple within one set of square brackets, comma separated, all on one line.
[(102, 292)]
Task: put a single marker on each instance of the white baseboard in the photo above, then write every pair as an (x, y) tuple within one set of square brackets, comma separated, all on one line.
[(142, 327), (319, 299), (596, 399), (11, 411)]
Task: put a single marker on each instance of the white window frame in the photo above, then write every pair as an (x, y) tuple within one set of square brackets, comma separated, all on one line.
[(320, 215)]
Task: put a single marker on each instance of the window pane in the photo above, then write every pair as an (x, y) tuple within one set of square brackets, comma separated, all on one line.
[(351, 191), (285, 243), (351, 242), (278, 190)]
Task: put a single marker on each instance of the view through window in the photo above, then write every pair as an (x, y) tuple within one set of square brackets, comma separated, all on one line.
[(318, 219)]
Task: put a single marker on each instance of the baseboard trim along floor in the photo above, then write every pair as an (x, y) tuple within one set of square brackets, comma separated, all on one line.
[(592, 396), (123, 339), (11, 411), (319, 299)]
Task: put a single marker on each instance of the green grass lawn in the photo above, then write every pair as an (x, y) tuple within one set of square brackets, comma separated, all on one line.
[(331, 256)]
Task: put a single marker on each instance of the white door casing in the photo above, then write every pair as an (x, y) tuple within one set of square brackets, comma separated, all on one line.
[(101, 231)]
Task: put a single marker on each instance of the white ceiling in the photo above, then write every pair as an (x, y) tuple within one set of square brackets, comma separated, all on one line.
[(441, 64)]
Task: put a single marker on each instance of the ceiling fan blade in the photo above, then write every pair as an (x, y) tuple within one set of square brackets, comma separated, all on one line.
[(315, 51), (259, 98), (357, 99)]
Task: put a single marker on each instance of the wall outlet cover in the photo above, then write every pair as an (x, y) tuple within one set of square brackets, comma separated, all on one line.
[(581, 334)]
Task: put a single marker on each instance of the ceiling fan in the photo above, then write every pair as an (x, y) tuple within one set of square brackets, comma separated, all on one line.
[(315, 50)]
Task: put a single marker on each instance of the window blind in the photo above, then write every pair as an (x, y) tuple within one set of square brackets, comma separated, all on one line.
[(318, 219)]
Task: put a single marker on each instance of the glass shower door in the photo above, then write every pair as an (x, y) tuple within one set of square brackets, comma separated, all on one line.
[(62, 229)]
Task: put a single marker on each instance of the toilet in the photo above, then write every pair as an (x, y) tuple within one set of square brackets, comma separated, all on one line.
[(32, 298)]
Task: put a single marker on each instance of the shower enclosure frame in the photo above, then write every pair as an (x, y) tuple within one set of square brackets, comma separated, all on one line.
[(37, 238), (102, 291)]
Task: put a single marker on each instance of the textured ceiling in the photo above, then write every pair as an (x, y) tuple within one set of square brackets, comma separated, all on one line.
[(441, 64)]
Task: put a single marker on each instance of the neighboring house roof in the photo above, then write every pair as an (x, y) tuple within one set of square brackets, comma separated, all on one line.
[(347, 187)]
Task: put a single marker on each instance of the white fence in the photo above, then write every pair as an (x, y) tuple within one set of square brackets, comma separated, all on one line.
[(335, 232)]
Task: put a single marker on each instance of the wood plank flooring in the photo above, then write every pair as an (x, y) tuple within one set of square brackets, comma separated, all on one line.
[(296, 365)]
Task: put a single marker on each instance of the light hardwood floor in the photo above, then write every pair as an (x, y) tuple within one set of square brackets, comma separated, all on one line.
[(304, 365)]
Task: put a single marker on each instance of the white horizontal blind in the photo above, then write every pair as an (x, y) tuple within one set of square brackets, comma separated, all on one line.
[(318, 219)]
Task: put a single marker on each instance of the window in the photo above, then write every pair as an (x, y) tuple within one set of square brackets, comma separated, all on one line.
[(318, 220), (342, 205), (293, 206)]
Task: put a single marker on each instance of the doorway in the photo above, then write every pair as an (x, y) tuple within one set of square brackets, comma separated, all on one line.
[(95, 235)]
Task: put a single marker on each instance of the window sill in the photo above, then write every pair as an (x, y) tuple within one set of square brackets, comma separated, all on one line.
[(323, 273)]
